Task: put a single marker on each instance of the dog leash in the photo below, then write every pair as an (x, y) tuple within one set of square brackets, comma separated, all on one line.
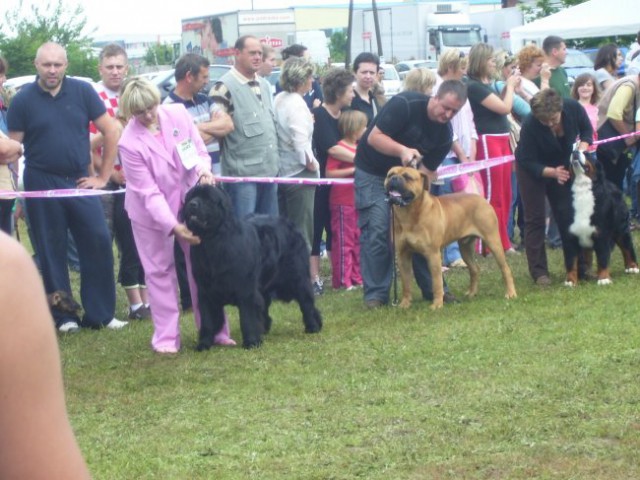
[(394, 301)]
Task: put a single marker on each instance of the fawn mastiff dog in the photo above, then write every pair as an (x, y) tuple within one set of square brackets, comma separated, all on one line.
[(424, 224)]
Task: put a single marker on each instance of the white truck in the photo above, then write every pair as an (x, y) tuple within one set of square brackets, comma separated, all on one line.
[(416, 30), (497, 25)]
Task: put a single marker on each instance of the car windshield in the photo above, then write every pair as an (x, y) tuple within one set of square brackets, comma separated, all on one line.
[(577, 59), (390, 73)]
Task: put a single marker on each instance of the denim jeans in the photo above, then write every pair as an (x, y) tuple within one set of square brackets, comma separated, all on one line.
[(248, 198)]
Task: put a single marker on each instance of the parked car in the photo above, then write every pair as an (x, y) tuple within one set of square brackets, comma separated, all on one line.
[(577, 62), (165, 81), (391, 81), (16, 83), (216, 72), (404, 66), (592, 52)]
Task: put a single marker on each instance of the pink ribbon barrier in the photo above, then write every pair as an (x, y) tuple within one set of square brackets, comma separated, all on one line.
[(446, 172)]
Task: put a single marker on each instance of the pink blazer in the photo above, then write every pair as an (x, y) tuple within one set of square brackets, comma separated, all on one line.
[(157, 181)]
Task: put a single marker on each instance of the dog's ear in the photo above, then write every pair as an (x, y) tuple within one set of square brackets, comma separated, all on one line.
[(425, 181), (54, 299)]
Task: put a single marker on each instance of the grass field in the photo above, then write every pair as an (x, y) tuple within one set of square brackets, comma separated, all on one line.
[(543, 386)]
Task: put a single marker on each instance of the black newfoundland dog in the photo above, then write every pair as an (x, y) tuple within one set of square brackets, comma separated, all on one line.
[(246, 263)]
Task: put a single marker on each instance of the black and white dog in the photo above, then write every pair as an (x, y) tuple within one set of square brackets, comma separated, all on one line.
[(246, 263), (600, 220)]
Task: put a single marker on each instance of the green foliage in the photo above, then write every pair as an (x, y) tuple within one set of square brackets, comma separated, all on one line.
[(160, 54), (338, 46), (56, 22)]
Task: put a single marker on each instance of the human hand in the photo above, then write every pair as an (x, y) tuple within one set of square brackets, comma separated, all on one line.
[(182, 232), (206, 178), (545, 72), (91, 183), (561, 174), (410, 157)]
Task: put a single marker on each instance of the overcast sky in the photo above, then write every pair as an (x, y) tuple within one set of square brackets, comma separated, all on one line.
[(162, 17)]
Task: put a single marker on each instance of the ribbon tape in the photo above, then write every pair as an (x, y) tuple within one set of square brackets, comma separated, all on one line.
[(446, 172)]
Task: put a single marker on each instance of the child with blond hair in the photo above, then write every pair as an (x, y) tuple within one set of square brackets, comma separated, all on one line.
[(345, 247)]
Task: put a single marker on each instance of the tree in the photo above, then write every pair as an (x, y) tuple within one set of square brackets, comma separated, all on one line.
[(54, 22), (338, 46), (159, 54)]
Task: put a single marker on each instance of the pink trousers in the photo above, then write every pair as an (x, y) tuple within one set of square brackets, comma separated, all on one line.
[(155, 249), (345, 247)]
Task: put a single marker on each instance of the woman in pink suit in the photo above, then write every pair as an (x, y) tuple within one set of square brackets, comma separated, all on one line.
[(163, 157)]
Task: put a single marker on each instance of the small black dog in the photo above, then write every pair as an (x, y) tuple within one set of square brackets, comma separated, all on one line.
[(63, 302), (246, 263)]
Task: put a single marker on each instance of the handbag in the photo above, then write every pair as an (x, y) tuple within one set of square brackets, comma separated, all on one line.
[(514, 132)]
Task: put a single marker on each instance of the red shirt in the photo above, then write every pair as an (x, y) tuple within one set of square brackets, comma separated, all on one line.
[(341, 194)]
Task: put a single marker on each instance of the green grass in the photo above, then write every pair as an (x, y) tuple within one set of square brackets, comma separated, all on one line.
[(543, 386)]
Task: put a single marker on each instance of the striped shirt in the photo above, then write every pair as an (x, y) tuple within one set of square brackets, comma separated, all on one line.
[(220, 95)]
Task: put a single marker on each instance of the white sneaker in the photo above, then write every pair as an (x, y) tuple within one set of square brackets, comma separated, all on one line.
[(116, 324), (69, 327)]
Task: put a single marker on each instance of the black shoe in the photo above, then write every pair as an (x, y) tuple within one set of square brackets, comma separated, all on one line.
[(373, 304), (450, 298), (140, 313)]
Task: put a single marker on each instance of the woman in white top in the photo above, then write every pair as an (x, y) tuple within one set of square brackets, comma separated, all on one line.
[(294, 124), (532, 65)]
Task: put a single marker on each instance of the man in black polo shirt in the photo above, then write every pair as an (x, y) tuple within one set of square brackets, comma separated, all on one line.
[(410, 127), (51, 117)]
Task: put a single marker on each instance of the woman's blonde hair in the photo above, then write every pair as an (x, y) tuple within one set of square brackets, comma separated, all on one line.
[(295, 72), (138, 95), (453, 59), (420, 80), (527, 55), (351, 122), (503, 59)]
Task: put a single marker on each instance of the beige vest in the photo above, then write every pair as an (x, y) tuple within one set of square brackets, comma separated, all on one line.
[(629, 114)]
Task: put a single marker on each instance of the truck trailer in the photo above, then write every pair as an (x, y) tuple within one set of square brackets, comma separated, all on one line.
[(417, 30)]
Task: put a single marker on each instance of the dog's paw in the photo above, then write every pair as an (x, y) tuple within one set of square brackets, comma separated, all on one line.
[(437, 305), (249, 344), (202, 346), (569, 283), (632, 270), (512, 294), (405, 303), (605, 281)]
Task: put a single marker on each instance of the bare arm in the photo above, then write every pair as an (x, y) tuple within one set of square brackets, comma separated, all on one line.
[(220, 125), (108, 127), (504, 105), (37, 441), (340, 153), (10, 150)]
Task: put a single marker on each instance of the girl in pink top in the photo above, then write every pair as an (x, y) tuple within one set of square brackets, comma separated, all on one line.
[(345, 245), (586, 91)]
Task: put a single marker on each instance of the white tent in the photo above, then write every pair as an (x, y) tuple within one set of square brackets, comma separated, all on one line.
[(595, 18)]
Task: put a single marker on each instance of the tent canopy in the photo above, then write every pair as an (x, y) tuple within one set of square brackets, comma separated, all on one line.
[(595, 18)]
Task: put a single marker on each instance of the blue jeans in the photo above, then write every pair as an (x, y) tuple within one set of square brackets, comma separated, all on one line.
[(248, 198)]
